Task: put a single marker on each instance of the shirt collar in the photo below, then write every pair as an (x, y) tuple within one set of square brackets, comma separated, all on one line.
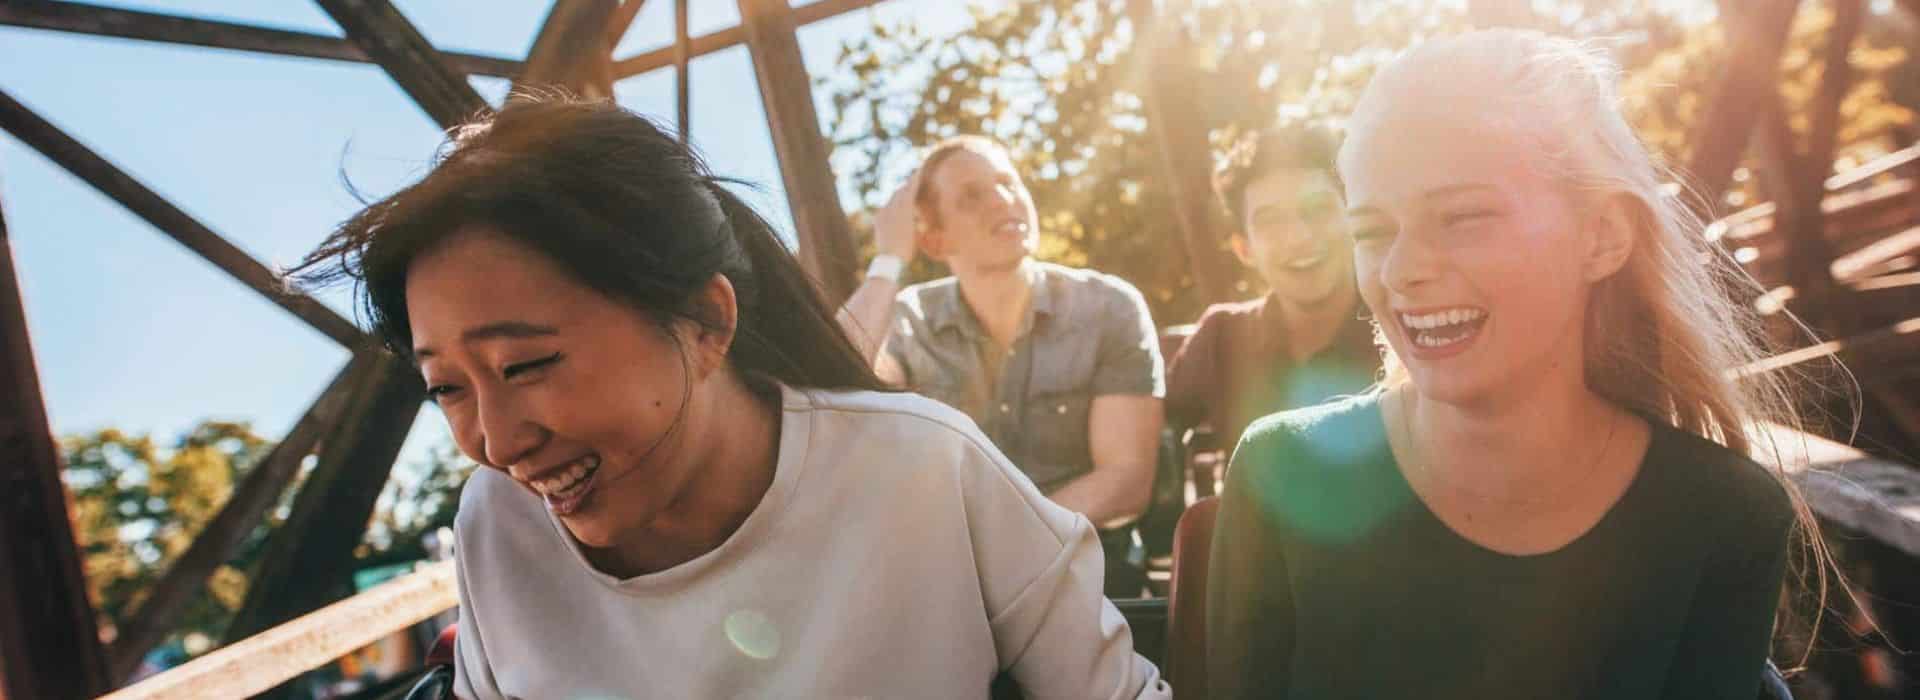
[(948, 309)]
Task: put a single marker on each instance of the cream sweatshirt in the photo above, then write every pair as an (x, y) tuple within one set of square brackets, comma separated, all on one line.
[(897, 554)]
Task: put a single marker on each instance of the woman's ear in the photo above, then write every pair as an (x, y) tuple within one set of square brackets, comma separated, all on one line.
[(719, 312), (1241, 249), (1612, 229)]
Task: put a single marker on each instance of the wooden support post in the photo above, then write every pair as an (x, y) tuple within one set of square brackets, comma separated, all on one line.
[(309, 559), (1179, 131), (386, 36), (826, 245), (1757, 34), (68, 153), (95, 20), (731, 37), (1809, 255), (49, 641), (682, 74), (1500, 13), (573, 51), (244, 510)]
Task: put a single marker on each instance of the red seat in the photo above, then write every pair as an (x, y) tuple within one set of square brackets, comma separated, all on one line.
[(1186, 655)]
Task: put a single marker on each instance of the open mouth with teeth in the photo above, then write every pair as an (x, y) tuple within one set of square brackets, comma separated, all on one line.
[(1445, 328), (566, 488), (1012, 228)]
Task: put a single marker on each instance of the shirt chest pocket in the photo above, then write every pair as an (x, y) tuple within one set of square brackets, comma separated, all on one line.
[(1059, 399)]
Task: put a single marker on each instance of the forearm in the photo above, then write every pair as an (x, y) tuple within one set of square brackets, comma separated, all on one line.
[(1111, 495), (867, 313)]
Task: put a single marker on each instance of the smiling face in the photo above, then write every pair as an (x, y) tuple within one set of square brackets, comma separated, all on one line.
[(985, 215), (572, 394), (1471, 260), (1296, 237)]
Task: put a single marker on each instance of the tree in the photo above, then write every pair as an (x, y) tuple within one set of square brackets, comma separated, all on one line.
[(137, 506), (1060, 81)]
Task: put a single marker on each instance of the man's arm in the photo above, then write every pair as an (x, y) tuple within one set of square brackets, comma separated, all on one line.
[(867, 314), (1123, 433), (1124, 420), (1193, 372)]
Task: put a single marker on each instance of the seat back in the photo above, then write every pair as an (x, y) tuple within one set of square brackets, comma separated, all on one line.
[(1186, 653)]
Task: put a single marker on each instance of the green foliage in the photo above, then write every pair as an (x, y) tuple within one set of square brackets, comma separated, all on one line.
[(137, 506), (1059, 81)]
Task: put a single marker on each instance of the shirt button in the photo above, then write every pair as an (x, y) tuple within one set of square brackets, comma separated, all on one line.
[(1062, 408), (1004, 408)]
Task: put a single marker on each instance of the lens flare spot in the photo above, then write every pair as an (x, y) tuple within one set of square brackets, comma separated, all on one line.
[(753, 634)]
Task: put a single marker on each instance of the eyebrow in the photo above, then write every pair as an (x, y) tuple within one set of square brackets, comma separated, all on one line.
[(1434, 193), (494, 331)]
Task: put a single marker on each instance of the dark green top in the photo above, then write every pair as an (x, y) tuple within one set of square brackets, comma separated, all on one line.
[(1329, 578)]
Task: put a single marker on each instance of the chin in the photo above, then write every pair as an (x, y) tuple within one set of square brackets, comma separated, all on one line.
[(1308, 288)]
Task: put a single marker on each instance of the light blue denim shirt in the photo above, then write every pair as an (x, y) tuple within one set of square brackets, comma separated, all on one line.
[(1086, 334)]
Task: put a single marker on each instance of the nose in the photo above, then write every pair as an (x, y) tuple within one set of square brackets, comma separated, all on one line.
[(507, 434), (1409, 264), (1005, 196)]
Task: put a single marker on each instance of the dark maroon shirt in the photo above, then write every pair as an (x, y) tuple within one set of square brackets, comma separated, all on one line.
[(1238, 366)]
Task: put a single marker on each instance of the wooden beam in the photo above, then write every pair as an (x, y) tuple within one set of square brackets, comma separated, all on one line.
[(1486, 14), (1757, 35), (731, 37), (572, 51), (244, 510), (621, 21), (273, 657), (682, 73), (826, 245), (1865, 354), (1876, 497), (381, 31), (1179, 131), (95, 20), (309, 559), (49, 641), (68, 153)]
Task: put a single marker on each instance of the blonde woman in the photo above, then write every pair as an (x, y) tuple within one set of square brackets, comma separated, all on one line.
[(1549, 496)]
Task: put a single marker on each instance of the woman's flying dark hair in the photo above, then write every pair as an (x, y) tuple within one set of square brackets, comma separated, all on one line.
[(626, 209)]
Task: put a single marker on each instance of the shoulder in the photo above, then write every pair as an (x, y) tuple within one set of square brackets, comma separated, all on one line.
[(500, 520), (879, 437), (917, 298), (1091, 285), (887, 421), (1333, 436), (1751, 497), (1223, 314)]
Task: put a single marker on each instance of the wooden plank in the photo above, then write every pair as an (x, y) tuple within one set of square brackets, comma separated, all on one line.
[(275, 656), (1866, 354), (244, 510), (386, 36), (1757, 31), (1178, 128), (621, 21), (826, 244), (309, 559), (730, 37), (1905, 160), (49, 644), (682, 72), (572, 51), (95, 20), (68, 153), (1876, 497)]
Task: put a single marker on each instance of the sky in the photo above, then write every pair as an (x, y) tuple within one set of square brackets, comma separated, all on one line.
[(131, 330)]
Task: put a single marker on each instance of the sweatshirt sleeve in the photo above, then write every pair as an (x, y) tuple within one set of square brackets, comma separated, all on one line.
[(1040, 568), (472, 675), (1729, 628)]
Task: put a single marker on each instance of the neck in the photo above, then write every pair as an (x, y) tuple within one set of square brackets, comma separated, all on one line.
[(733, 454), (1514, 444), (998, 297), (1312, 327)]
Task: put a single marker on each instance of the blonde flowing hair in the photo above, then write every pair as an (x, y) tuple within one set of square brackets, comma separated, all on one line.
[(1667, 334)]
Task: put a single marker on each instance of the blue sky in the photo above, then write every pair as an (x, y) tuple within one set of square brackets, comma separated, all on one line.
[(133, 331)]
